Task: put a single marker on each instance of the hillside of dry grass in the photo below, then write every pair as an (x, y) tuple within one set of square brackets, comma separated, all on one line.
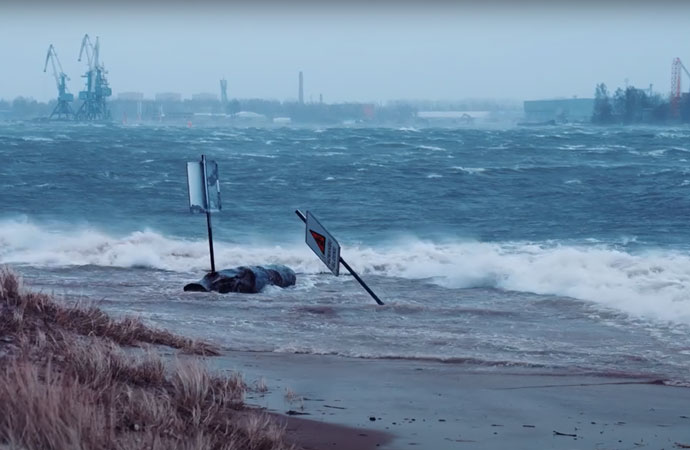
[(66, 382)]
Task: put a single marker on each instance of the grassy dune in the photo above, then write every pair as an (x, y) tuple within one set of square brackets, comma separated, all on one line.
[(68, 381)]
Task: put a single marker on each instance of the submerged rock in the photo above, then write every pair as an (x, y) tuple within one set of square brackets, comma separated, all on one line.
[(244, 279)]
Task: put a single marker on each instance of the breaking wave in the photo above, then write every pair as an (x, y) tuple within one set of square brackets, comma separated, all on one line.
[(652, 284), (30, 244)]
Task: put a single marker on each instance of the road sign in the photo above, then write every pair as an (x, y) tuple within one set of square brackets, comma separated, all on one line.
[(323, 244), (318, 239), (204, 194), (203, 186)]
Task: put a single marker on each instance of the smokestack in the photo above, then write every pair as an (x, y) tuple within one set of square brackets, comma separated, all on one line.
[(224, 91), (301, 88)]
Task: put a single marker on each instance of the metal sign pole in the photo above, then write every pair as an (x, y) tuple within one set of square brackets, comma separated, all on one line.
[(347, 266), (208, 214)]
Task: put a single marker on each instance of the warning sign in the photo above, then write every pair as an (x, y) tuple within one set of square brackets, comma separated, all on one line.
[(320, 240), (323, 244)]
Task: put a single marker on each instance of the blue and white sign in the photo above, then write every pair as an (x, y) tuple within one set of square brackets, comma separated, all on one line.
[(203, 186)]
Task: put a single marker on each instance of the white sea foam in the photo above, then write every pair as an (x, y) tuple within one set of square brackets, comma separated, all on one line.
[(470, 170), (329, 153), (26, 243), (258, 155), (37, 139), (432, 148), (652, 284)]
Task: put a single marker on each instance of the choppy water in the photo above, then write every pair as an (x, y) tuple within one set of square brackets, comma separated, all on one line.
[(555, 249)]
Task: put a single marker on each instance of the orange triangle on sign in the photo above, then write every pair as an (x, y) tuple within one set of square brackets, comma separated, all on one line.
[(320, 240)]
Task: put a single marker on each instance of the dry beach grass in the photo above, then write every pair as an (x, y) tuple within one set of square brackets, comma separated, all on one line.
[(68, 381)]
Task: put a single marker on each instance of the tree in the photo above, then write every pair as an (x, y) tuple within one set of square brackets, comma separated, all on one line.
[(635, 103), (603, 112), (685, 108), (629, 105), (23, 107)]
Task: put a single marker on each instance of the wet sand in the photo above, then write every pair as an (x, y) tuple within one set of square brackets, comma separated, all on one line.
[(319, 435), (435, 406)]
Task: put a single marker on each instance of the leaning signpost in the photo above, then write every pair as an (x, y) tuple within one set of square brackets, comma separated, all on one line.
[(204, 194), (323, 244), (328, 250)]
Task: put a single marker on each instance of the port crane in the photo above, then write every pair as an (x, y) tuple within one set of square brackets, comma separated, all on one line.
[(677, 70), (94, 105), (63, 109)]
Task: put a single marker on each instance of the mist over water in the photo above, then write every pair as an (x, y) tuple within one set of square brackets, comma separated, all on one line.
[(349, 51), (525, 248)]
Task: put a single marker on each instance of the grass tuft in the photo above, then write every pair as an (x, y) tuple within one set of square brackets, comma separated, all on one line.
[(73, 377)]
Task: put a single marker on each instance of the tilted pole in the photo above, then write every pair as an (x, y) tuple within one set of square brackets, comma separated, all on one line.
[(208, 215)]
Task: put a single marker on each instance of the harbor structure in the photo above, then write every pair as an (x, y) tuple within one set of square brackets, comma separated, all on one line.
[(63, 108), (97, 90)]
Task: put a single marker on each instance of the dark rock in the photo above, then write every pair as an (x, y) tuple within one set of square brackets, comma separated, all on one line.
[(244, 279)]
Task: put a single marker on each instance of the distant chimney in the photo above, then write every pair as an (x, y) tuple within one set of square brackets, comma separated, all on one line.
[(301, 88), (224, 91)]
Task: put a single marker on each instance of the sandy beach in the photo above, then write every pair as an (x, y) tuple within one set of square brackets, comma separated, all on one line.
[(445, 406)]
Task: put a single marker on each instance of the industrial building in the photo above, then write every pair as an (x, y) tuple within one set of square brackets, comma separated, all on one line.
[(97, 103), (131, 96), (559, 110), (451, 118), (168, 97), (205, 97)]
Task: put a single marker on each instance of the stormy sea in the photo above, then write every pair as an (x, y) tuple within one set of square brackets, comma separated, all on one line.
[(537, 250)]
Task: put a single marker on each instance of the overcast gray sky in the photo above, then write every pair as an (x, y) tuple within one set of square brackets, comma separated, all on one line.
[(350, 51)]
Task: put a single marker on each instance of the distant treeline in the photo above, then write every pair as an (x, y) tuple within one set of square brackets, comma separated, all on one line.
[(25, 108), (632, 105)]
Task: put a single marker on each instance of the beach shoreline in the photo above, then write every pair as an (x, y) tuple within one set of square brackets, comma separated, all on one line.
[(71, 376), (333, 402), (433, 405)]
